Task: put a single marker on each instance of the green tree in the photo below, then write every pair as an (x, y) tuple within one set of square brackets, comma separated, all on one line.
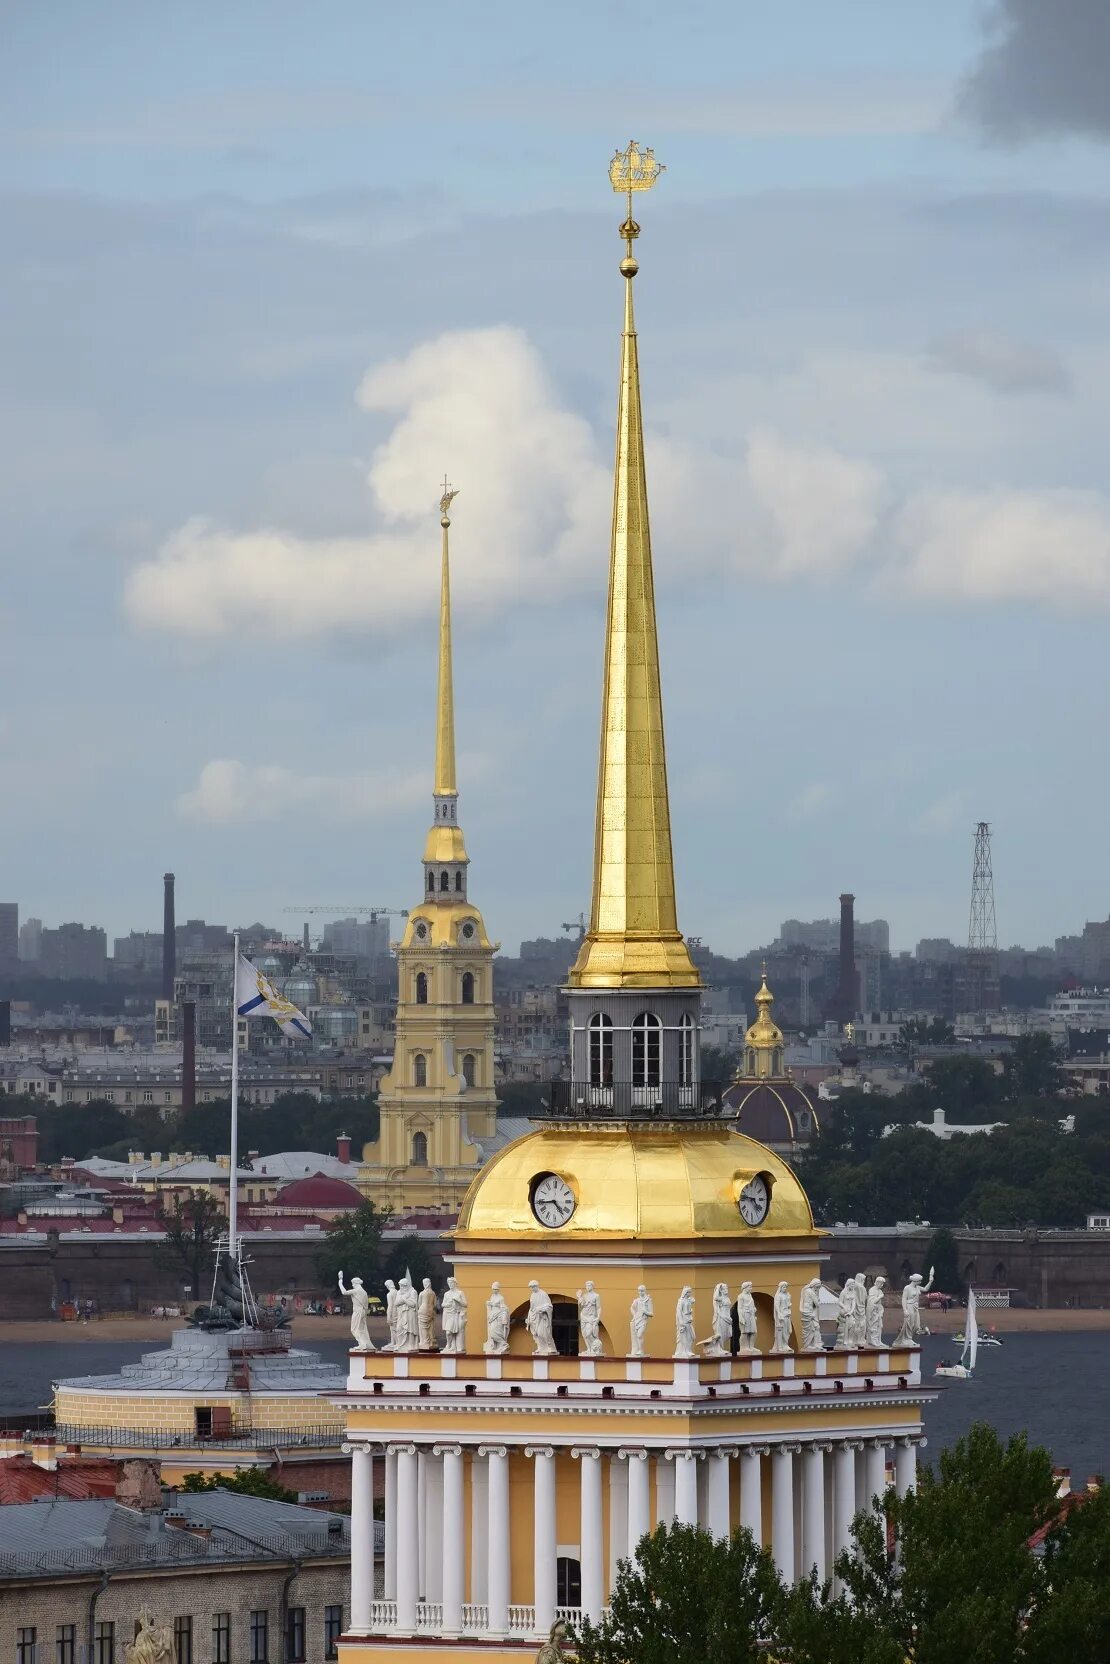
[(412, 1254), (1072, 1618), (246, 1481), (944, 1257), (353, 1244), (192, 1230), (965, 1087), (688, 1598), (1032, 1069)]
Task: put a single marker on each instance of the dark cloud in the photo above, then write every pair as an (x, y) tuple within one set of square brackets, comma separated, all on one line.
[(1000, 362), (1046, 72)]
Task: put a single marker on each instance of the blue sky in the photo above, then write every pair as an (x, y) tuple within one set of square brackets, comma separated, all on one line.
[(273, 269)]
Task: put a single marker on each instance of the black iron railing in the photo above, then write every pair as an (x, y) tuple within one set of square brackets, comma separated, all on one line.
[(241, 1438), (668, 1100)]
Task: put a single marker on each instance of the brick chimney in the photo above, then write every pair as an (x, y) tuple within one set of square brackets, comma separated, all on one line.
[(169, 938), (138, 1486), (343, 1146), (847, 991)]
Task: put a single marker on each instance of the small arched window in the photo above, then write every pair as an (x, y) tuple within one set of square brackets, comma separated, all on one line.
[(421, 988), (470, 1064), (686, 1050), (468, 988), (420, 1149), (647, 1035), (458, 879), (601, 1049), (431, 881), (444, 880), (420, 1070)]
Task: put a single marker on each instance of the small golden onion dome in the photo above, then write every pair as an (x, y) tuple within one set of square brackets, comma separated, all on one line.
[(764, 1032), (443, 924), (634, 1181), (444, 845)]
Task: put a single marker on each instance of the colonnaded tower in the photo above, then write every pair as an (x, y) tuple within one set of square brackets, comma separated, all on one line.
[(438, 1104), (604, 1382)]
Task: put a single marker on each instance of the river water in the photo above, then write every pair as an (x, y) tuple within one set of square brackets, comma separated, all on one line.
[(1050, 1386)]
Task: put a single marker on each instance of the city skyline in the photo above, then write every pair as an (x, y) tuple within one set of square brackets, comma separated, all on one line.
[(259, 307)]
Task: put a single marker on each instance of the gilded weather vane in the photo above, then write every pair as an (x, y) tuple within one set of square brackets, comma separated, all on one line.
[(633, 170), (449, 495)]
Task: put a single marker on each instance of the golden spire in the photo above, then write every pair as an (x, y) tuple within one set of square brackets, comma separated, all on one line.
[(445, 785), (633, 940)]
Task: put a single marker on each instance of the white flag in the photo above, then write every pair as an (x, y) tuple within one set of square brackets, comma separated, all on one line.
[(256, 996)]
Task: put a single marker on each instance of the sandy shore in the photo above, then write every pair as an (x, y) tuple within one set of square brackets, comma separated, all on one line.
[(1013, 1320)]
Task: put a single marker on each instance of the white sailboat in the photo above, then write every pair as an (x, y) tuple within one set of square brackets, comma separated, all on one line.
[(964, 1370)]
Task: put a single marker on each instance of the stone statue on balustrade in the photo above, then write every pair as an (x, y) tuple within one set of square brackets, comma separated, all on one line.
[(552, 1650), (454, 1317), (426, 1316), (497, 1323), (856, 1327), (408, 1323), (589, 1321), (360, 1312), (910, 1332), (809, 1309), (392, 1345), (642, 1309), (784, 1314), (152, 1644), (876, 1306), (684, 1342), (719, 1344), (539, 1320), (846, 1305), (746, 1318)]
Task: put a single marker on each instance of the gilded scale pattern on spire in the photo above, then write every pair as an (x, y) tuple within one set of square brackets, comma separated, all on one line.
[(633, 940), (445, 839)]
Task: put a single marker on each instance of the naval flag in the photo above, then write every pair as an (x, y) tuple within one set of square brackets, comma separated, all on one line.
[(256, 996)]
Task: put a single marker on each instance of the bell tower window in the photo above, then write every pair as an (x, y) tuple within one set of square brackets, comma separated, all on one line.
[(601, 1049), (468, 988), (469, 1067), (458, 879), (686, 1050), (421, 988), (420, 1070), (647, 1035), (444, 880), (420, 1149), (431, 881)]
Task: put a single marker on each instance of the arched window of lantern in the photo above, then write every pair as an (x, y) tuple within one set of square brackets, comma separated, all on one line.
[(420, 1070), (444, 880), (431, 881), (468, 988), (601, 1049), (647, 1039), (458, 879), (686, 1055), (420, 1149), (421, 988)]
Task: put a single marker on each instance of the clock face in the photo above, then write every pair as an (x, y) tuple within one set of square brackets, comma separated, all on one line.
[(552, 1200), (754, 1200)]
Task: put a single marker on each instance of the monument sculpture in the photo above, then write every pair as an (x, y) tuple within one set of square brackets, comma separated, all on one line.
[(846, 1301), (684, 1341), (392, 1344), (746, 1318), (876, 1305), (360, 1312), (910, 1332), (589, 1321), (497, 1322), (552, 1650), (426, 1316), (455, 1306), (809, 1308), (408, 1326), (719, 1345), (856, 1328), (538, 1320), (153, 1644), (641, 1310), (784, 1312)]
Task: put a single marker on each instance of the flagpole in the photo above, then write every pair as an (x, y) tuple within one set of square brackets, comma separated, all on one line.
[(233, 1199)]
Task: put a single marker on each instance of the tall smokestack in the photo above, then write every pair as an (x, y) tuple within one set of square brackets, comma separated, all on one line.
[(847, 993), (188, 1054), (169, 940)]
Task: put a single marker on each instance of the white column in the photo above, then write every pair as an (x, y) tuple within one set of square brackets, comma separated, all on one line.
[(905, 1465), (422, 1522), (664, 1491), (454, 1537), (618, 1516), (639, 1497), (408, 1546), (479, 1526), (391, 1525), (433, 1526), (543, 1512), (590, 1549), (685, 1486), (751, 1489), (782, 1509), (813, 1509), (874, 1469), (844, 1493), (497, 1460), (719, 1516), (362, 1537)]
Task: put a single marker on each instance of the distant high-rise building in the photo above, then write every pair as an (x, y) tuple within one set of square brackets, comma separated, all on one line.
[(141, 951), (30, 940), (169, 937), (364, 938), (74, 950), (9, 933), (823, 935)]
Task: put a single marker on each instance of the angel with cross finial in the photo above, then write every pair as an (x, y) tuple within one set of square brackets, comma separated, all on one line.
[(449, 495)]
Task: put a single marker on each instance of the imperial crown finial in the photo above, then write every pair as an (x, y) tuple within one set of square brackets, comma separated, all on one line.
[(634, 169)]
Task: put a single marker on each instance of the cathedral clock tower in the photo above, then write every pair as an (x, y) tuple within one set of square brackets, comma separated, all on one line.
[(437, 1103)]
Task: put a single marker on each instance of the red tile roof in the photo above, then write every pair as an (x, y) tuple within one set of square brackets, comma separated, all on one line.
[(22, 1481)]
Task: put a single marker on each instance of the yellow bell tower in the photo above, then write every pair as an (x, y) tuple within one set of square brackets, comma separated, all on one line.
[(438, 1101)]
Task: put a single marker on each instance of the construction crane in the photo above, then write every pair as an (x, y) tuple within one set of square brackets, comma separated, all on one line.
[(578, 924), (348, 907)]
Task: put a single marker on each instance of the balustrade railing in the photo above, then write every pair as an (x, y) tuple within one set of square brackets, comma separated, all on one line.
[(522, 1620), (383, 1614), (623, 1101), (475, 1618), (429, 1615)]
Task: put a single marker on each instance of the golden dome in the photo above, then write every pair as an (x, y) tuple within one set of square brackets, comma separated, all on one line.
[(635, 1181), (438, 924), (764, 1032)]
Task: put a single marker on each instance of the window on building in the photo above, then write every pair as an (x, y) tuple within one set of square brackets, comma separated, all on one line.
[(167, 1097), (127, 1097), (260, 1637), (25, 1646), (431, 881), (468, 988), (183, 1640), (647, 1032), (333, 1629), (458, 879), (444, 880), (104, 1642), (109, 1097), (148, 1097), (65, 1644), (568, 1581), (686, 1050), (420, 1070), (221, 1638), (601, 1049), (470, 1064), (420, 1149), (294, 1635), (421, 988)]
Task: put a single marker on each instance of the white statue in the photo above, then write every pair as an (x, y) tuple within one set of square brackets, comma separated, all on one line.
[(684, 1341), (809, 1308), (876, 1304), (426, 1316), (910, 1332), (746, 1318), (784, 1312), (497, 1322), (856, 1328), (846, 1303), (151, 1645), (589, 1320), (454, 1317), (642, 1310), (393, 1344), (719, 1344), (538, 1321), (360, 1312), (408, 1325)]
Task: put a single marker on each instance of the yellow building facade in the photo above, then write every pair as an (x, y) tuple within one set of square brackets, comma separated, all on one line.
[(437, 1103), (632, 1270)]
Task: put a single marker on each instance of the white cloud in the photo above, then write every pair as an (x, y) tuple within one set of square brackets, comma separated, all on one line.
[(810, 801), (476, 402), (823, 505), (1000, 362), (230, 791)]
